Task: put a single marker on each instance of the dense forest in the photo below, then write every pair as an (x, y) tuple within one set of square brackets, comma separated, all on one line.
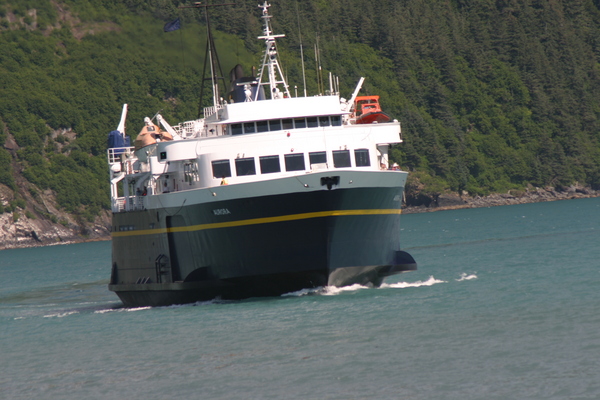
[(493, 95)]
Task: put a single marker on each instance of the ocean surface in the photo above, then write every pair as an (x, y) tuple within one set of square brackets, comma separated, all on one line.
[(505, 305)]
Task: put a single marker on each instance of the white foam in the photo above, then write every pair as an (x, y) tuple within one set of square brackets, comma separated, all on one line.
[(402, 285), (104, 311), (136, 309), (107, 310), (303, 292), (61, 315), (326, 290), (465, 277), (334, 290)]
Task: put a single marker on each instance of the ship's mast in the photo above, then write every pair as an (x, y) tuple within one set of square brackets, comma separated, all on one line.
[(270, 61), (210, 56)]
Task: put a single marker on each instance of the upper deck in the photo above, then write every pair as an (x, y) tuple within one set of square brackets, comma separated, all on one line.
[(293, 107)]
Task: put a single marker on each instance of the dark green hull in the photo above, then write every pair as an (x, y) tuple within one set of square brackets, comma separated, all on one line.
[(258, 246)]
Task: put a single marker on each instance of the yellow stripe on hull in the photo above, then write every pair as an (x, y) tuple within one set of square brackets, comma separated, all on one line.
[(255, 221)]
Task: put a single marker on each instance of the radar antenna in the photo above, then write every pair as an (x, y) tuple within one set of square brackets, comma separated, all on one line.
[(270, 62)]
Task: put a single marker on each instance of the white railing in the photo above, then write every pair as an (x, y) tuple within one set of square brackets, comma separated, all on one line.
[(131, 203), (208, 111), (115, 153)]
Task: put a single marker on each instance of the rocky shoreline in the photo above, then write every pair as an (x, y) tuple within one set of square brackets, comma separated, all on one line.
[(34, 232), (452, 201), (30, 232)]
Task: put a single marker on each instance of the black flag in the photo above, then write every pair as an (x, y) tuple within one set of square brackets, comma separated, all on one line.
[(172, 26)]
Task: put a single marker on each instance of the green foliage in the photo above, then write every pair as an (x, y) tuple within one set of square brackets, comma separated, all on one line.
[(18, 202), (492, 96), (6, 177)]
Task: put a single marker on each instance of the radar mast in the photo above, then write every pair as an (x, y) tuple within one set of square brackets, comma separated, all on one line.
[(270, 59)]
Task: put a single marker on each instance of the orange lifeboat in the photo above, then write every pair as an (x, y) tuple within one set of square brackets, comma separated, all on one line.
[(368, 110), (149, 135)]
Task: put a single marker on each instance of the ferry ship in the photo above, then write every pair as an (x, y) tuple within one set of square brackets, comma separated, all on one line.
[(266, 194)]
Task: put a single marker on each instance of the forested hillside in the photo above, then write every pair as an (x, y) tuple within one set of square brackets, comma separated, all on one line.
[(492, 95)]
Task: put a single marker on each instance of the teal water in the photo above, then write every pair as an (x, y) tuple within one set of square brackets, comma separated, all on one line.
[(504, 306)]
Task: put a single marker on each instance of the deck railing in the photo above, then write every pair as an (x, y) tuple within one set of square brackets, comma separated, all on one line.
[(208, 111), (131, 203), (114, 154)]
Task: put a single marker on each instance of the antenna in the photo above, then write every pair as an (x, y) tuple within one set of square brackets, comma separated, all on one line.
[(301, 51), (210, 54), (320, 84), (270, 62)]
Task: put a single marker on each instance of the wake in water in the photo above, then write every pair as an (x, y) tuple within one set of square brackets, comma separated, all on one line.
[(121, 309), (334, 291), (402, 285), (103, 308), (318, 291), (465, 277)]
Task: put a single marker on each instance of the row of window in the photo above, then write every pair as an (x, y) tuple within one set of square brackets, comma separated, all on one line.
[(283, 124), (292, 162)]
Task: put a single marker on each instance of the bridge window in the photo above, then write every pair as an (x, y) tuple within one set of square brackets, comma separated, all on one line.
[(236, 129), (262, 126), (221, 169), (361, 156), (341, 158), (287, 123), (245, 166), (275, 125), (249, 127), (294, 162), (269, 164), (317, 157), (300, 123)]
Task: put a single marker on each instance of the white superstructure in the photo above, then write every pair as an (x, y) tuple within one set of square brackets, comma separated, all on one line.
[(248, 141)]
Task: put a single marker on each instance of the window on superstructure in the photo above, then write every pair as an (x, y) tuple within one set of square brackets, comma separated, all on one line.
[(341, 158), (249, 127), (299, 123), (245, 166), (262, 126), (324, 121), (236, 129), (294, 162), (269, 164), (317, 157), (336, 120), (275, 125), (312, 122), (221, 169), (287, 123), (361, 157)]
